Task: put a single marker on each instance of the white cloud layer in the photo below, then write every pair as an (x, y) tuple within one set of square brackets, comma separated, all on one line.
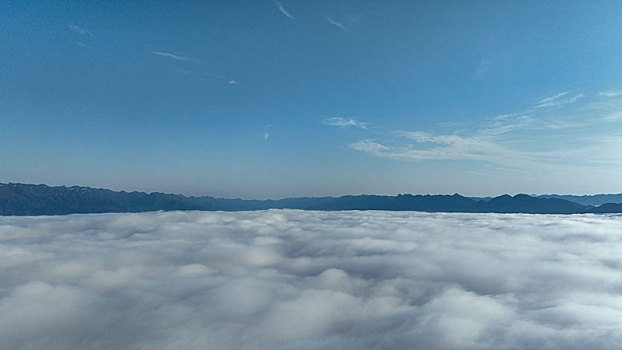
[(286, 279)]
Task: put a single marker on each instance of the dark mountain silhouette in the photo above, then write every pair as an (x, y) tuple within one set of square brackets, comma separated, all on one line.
[(26, 199), (607, 208), (594, 200), (522, 203)]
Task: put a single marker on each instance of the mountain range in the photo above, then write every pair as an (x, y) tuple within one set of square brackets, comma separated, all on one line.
[(29, 199)]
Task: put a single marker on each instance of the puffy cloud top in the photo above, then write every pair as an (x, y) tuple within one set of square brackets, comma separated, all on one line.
[(286, 279)]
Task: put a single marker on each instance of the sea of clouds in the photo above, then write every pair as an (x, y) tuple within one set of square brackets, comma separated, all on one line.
[(287, 279)]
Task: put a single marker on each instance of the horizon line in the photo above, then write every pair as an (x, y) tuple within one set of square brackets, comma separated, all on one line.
[(307, 196)]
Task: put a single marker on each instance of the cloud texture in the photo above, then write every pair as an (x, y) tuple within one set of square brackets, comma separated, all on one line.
[(286, 279)]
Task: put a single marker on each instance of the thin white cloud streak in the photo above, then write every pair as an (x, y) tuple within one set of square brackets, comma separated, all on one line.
[(611, 93), (283, 10), (345, 122), (600, 151), (557, 100), (452, 147), (222, 79), (176, 57), (337, 24), (79, 30), (507, 123), (266, 136), (285, 279), (553, 98)]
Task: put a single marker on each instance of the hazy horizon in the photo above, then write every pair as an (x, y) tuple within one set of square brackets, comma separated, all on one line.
[(327, 195)]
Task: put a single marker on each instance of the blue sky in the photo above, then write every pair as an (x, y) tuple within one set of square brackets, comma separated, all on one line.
[(266, 99)]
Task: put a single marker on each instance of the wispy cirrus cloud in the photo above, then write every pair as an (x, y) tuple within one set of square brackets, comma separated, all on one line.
[(549, 99), (558, 100), (79, 30), (222, 79), (345, 122), (176, 57), (267, 134), (539, 137), (610, 93), (339, 25), (283, 10), (507, 123), (427, 146), (372, 147)]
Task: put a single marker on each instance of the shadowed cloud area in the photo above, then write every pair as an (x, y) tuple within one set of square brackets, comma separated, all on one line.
[(288, 279)]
